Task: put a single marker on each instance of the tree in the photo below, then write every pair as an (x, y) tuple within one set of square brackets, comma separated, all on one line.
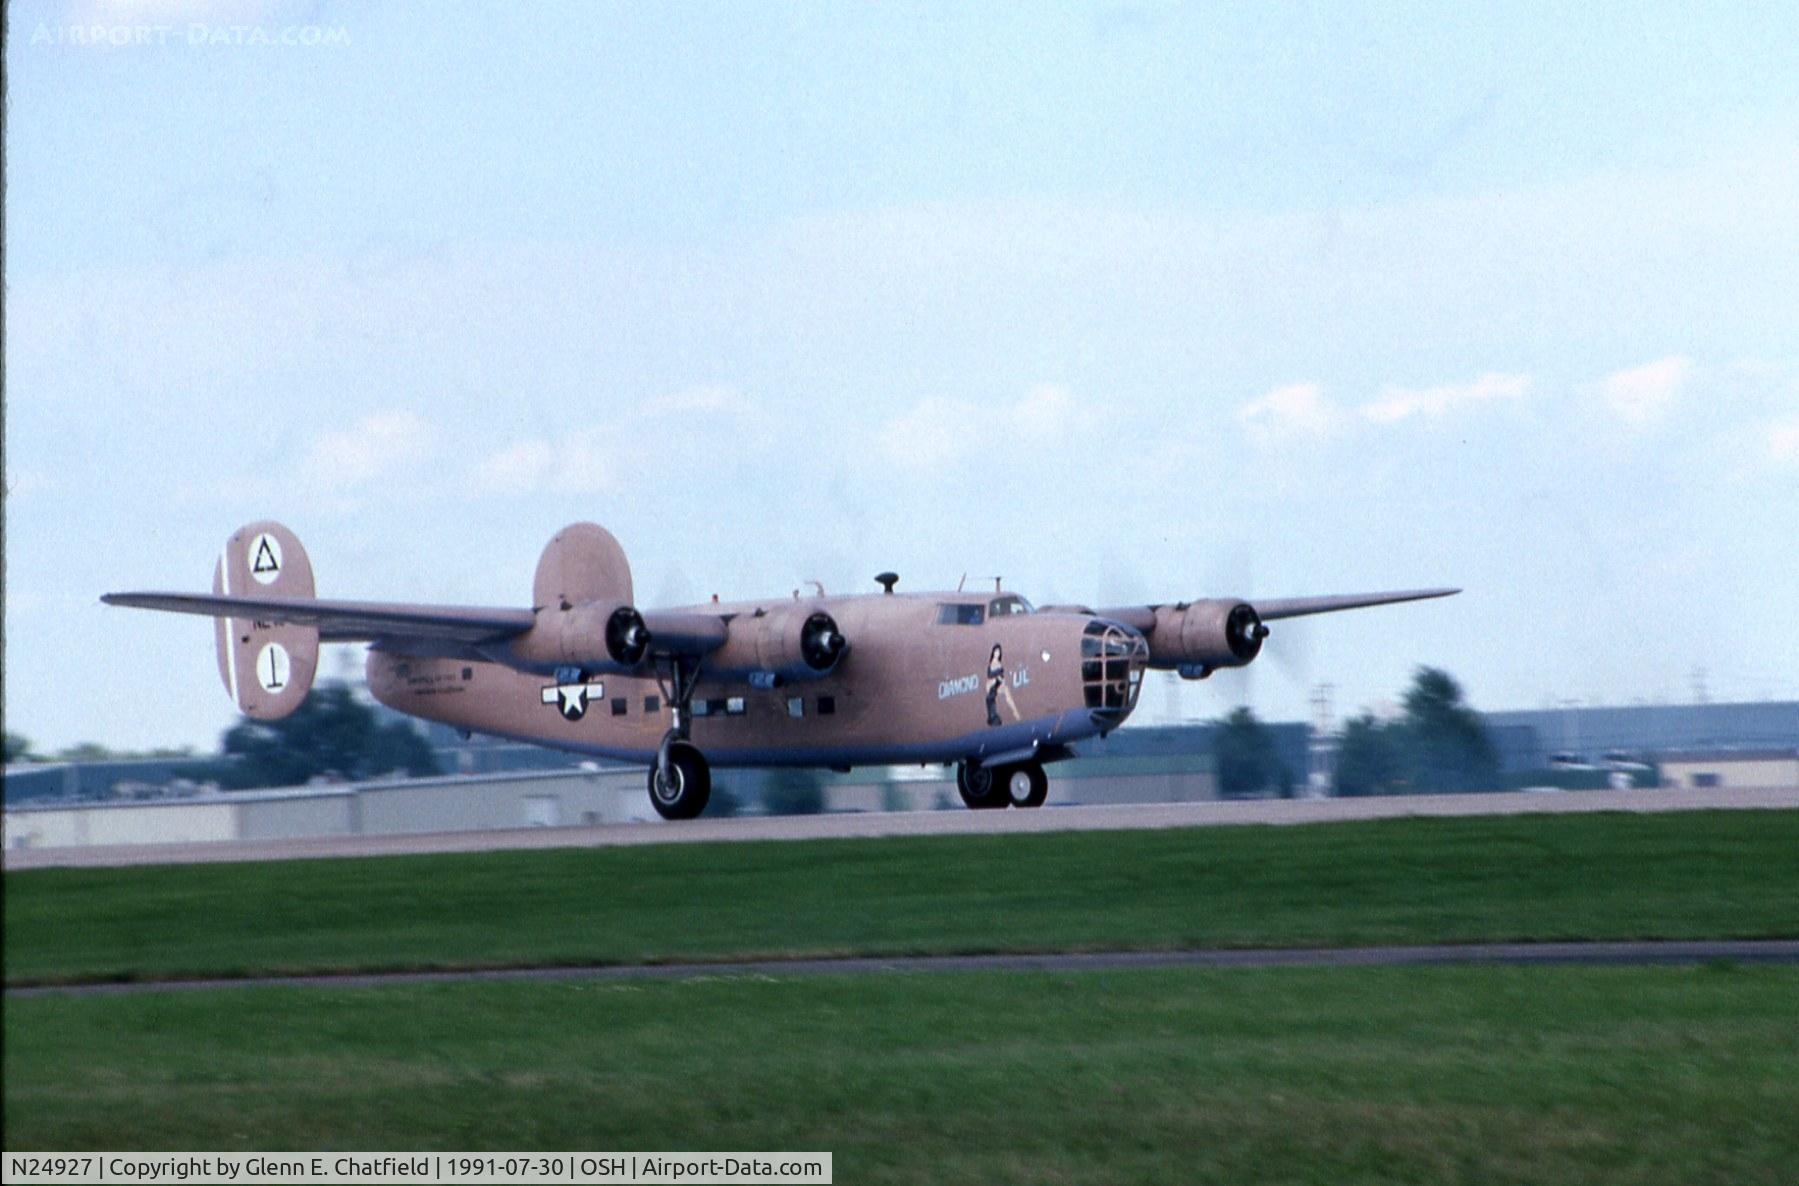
[(93, 751), (18, 748), (1447, 747), (331, 733), (1243, 750), (86, 751), (1369, 760)]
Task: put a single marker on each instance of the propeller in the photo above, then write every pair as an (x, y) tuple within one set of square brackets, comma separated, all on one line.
[(1233, 573), (1290, 653), (821, 643), (627, 638)]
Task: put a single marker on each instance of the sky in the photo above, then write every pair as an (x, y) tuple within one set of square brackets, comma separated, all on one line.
[(1121, 302)]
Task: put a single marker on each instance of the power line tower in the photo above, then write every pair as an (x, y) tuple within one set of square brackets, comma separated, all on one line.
[(1321, 748)]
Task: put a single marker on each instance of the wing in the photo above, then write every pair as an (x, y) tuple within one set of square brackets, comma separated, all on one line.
[(348, 621), (1269, 609), (1198, 637), (1275, 608), (419, 629)]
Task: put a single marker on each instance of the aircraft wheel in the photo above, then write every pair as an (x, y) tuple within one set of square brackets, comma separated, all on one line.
[(980, 789), (684, 792), (1027, 785)]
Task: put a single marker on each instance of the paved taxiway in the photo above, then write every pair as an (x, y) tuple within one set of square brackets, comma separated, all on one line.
[(920, 823), (1783, 951)]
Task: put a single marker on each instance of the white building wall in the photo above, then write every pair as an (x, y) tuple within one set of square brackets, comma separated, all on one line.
[(287, 817), (524, 800), (182, 823), (46, 827), (573, 799), (1733, 772), (136, 823)]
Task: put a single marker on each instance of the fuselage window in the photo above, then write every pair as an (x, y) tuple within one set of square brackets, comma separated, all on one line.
[(618, 706), (734, 706), (827, 705), (796, 706), (651, 704), (961, 615)]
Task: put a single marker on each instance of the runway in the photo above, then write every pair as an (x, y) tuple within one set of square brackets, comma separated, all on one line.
[(1781, 951), (1267, 812)]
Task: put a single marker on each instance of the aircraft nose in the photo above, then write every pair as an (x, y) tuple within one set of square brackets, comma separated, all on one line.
[(1113, 659)]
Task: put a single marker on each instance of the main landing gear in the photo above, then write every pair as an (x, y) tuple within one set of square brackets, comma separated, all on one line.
[(680, 780), (1023, 784)]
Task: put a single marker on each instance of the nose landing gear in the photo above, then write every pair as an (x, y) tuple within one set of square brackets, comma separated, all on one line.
[(986, 788), (1027, 785)]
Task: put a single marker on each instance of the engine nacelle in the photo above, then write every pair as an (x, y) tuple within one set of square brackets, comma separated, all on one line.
[(1196, 638), (593, 636), (770, 647)]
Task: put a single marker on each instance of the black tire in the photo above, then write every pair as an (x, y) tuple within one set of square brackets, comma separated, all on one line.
[(981, 788), (689, 787), (1026, 785)]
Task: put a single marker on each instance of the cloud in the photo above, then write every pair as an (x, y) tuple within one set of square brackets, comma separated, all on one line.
[(23, 483), (518, 468), (377, 447), (1047, 410), (1296, 410), (1639, 396), (1401, 403), (1783, 440), (936, 431), (715, 397), (939, 430), (579, 461), (598, 456), (1302, 411)]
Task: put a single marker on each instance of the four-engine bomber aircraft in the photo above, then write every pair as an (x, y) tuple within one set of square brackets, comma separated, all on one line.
[(978, 679)]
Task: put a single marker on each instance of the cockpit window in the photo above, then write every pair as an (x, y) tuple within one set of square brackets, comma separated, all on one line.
[(951, 614), (1011, 603)]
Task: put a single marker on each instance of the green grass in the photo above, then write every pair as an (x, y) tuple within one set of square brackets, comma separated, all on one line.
[(1334, 1076), (1687, 875)]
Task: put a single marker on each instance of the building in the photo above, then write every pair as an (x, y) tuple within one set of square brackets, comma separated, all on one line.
[(391, 807), (1744, 768), (120, 778), (1640, 730), (508, 785)]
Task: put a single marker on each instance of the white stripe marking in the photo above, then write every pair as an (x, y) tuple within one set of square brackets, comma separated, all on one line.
[(230, 629)]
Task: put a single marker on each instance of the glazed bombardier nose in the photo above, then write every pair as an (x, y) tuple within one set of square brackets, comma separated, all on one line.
[(1113, 658)]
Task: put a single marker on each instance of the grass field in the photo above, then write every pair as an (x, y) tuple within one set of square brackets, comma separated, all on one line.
[(1687, 875), (1477, 1074), (1553, 1075)]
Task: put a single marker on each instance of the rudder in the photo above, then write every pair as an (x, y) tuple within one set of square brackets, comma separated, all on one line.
[(267, 668)]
